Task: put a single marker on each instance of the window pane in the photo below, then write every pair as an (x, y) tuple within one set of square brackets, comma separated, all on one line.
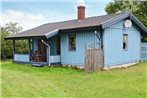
[(125, 41), (72, 42)]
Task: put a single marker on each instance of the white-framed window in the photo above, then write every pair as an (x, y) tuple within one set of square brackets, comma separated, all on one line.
[(125, 41), (72, 42)]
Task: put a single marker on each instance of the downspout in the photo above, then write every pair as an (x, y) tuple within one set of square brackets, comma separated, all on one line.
[(98, 38), (48, 55)]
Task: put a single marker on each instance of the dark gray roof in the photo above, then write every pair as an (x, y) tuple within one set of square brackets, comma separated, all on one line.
[(42, 30)]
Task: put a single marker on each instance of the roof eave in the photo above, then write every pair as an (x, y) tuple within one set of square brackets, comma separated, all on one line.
[(114, 20), (94, 27), (138, 22), (23, 37)]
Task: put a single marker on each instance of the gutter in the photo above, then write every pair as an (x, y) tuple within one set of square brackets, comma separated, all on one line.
[(52, 33), (48, 51)]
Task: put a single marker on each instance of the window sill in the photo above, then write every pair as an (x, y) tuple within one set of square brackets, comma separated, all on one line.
[(72, 50), (125, 49)]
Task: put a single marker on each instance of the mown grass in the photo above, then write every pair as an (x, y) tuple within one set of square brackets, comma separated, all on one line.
[(20, 80)]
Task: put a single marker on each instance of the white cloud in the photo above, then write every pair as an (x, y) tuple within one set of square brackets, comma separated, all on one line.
[(29, 20), (24, 19), (54, 16)]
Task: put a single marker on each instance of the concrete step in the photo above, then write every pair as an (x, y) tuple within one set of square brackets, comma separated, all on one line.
[(38, 64)]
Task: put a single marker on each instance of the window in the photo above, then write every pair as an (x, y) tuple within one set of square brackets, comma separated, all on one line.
[(125, 41), (72, 42)]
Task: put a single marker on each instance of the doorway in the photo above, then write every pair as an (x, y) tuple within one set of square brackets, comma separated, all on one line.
[(39, 55)]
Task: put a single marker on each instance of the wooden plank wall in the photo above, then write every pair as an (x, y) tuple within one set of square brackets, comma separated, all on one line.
[(93, 60)]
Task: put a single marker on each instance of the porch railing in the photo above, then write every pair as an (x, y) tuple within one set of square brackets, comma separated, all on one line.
[(21, 57)]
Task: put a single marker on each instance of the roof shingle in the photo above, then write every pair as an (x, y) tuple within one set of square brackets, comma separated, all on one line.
[(64, 25)]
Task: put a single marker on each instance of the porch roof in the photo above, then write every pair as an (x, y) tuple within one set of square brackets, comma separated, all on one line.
[(50, 29)]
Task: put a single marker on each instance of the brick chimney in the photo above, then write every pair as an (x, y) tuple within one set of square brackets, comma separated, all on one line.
[(81, 12)]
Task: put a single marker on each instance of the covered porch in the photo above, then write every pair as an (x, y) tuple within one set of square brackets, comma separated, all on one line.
[(40, 51)]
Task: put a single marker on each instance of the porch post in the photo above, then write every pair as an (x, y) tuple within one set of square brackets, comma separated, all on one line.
[(48, 55), (29, 41), (13, 49)]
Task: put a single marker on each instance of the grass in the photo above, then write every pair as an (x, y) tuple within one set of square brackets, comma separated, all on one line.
[(20, 80)]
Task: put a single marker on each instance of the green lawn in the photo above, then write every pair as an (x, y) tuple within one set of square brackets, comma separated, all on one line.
[(20, 80)]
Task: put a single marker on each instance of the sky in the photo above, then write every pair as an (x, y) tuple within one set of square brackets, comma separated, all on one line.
[(32, 13)]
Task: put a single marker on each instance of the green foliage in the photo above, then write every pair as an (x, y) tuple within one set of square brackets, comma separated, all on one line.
[(19, 80), (144, 39), (22, 46), (7, 45), (137, 7), (12, 28)]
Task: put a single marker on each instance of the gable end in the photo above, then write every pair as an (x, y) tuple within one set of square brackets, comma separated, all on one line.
[(124, 16)]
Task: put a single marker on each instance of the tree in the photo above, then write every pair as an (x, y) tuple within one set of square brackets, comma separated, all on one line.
[(12, 28), (141, 12), (7, 45), (137, 7)]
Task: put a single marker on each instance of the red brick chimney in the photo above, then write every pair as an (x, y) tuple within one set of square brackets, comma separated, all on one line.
[(81, 12)]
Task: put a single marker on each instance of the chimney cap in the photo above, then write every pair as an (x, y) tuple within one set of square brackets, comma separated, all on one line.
[(81, 3)]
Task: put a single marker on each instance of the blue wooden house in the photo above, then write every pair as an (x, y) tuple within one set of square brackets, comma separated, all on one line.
[(118, 35)]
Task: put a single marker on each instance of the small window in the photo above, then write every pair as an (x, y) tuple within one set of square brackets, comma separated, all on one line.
[(125, 41), (72, 43)]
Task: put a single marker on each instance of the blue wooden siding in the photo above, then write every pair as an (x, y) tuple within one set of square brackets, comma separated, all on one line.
[(35, 44), (55, 59), (113, 44), (76, 57), (52, 43)]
